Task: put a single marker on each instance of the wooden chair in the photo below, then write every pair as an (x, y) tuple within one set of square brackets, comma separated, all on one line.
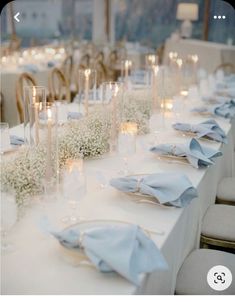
[(218, 227), (69, 72), (100, 57), (67, 68), (85, 61), (192, 276), (1, 108), (101, 73), (160, 53), (25, 79), (58, 86), (228, 68), (112, 63), (226, 192)]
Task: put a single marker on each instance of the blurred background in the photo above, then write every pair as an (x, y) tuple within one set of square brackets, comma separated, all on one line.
[(147, 22)]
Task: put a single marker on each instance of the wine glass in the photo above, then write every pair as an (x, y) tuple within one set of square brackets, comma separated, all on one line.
[(74, 187), (8, 219), (127, 143)]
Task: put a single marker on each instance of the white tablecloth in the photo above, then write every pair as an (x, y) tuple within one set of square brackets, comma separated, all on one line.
[(210, 54), (37, 265)]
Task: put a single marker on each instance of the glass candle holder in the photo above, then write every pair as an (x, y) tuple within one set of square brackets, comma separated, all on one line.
[(150, 61), (86, 87), (112, 94), (127, 142), (34, 104), (126, 67)]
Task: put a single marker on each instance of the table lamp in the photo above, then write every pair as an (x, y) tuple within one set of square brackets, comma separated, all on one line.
[(187, 12)]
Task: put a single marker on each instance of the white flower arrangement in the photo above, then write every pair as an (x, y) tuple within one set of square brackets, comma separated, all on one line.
[(25, 173), (88, 136), (136, 107)]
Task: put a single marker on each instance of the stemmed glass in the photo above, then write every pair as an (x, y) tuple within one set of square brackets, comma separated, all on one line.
[(74, 187), (127, 143), (8, 219)]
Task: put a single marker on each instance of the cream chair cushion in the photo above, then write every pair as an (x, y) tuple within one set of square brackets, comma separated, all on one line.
[(219, 222), (192, 276), (226, 189)]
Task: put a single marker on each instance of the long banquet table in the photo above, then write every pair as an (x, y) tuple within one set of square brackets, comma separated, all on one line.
[(37, 266)]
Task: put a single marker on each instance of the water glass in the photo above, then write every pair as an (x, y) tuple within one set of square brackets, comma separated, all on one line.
[(127, 143), (8, 219), (74, 187), (5, 137)]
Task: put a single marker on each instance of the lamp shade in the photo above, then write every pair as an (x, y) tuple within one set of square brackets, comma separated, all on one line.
[(187, 11)]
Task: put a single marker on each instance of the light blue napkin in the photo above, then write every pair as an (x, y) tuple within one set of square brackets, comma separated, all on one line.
[(30, 68), (196, 154), (123, 249), (74, 115), (168, 188), (16, 140), (209, 128), (226, 110), (50, 64)]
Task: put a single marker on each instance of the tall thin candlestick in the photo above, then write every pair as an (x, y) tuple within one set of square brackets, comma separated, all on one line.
[(87, 73), (36, 105), (49, 146), (114, 118), (155, 69)]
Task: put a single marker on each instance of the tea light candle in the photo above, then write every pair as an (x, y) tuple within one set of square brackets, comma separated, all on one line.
[(74, 165), (127, 137), (167, 105), (87, 73), (184, 93), (129, 128)]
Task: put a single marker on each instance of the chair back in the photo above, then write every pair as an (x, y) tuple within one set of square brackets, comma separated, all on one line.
[(1, 107), (58, 86), (67, 68), (102, 73), (25, 79), (228, 68), (85, 61)]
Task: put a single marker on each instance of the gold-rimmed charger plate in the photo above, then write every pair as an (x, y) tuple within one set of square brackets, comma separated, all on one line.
[(78, 257), (194, 135)]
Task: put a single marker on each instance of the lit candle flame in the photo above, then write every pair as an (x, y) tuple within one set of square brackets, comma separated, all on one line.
[(87, 73)]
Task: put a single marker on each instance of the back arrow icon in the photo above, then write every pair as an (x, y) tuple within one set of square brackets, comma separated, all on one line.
[(16, 17)]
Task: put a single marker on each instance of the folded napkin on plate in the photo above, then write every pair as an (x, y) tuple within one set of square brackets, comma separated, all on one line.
[(168, 188), (197, 155), (16, 140), (74, 115), (30, 68), (226, 110), (123, 249), (209, 128)]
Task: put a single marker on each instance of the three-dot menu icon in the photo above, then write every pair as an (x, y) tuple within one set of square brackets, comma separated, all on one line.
[(219, 17)]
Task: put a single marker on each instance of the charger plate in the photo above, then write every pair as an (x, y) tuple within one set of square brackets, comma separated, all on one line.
[(193, 134), (78, 257)]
